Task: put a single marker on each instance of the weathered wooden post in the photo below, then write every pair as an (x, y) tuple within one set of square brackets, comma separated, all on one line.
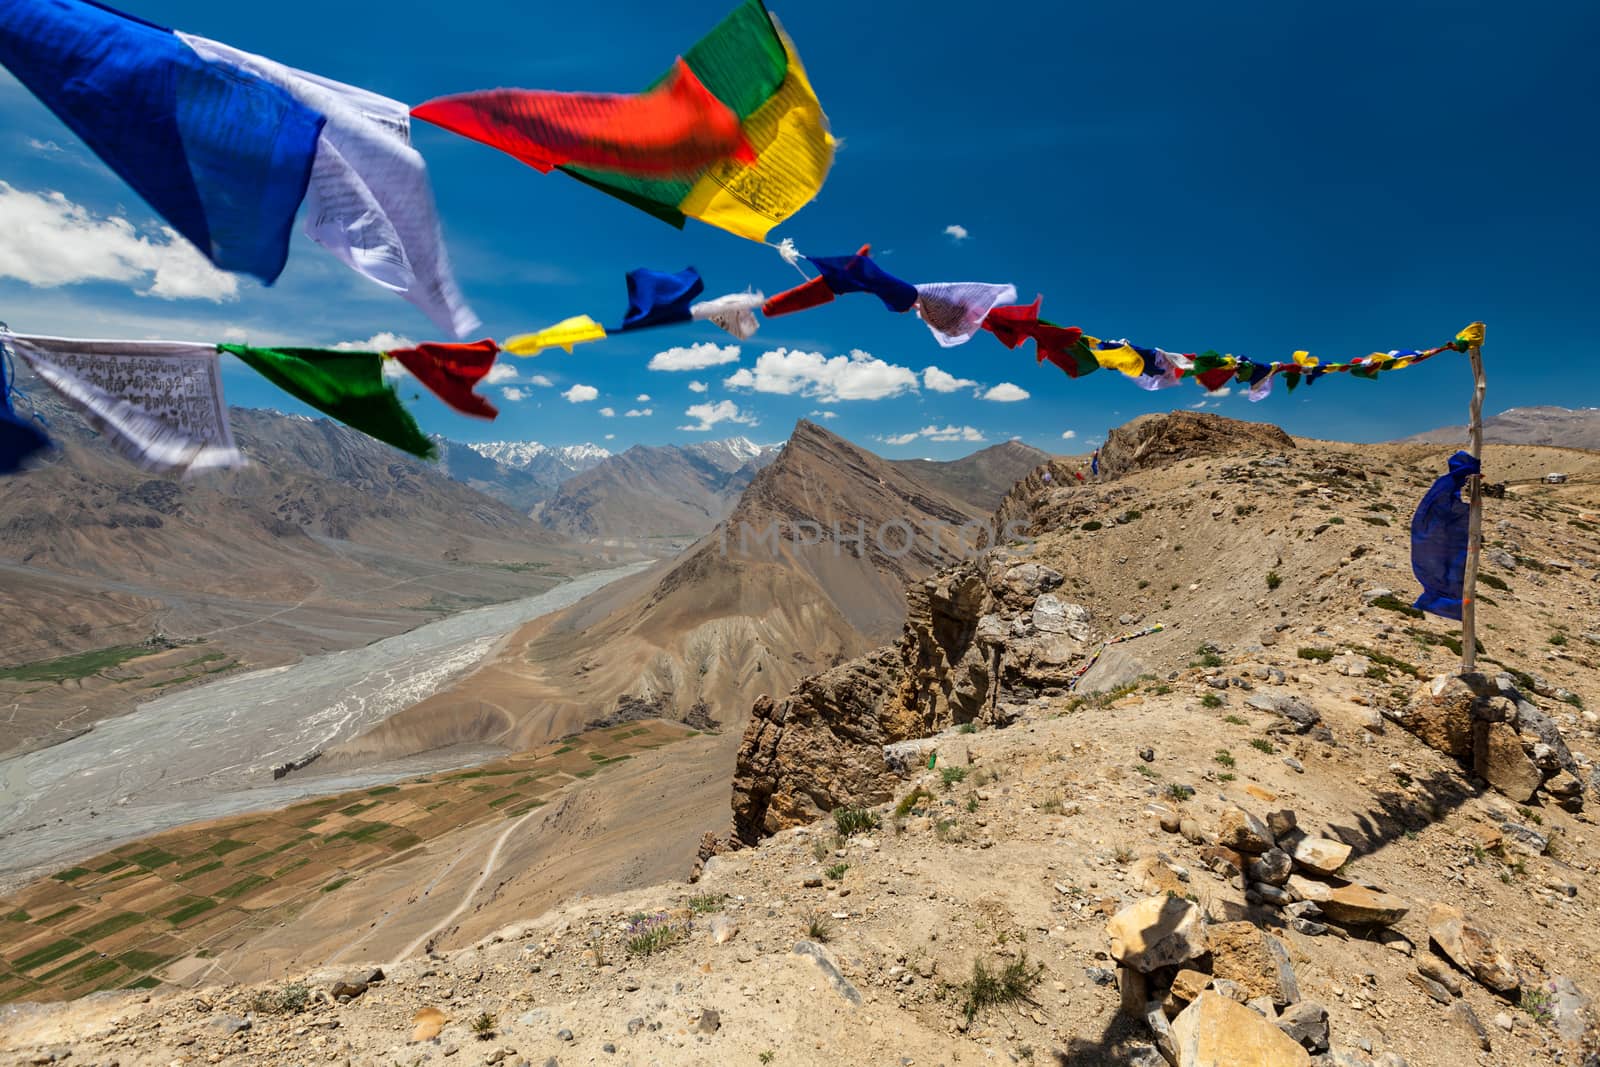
[(1473, 335)]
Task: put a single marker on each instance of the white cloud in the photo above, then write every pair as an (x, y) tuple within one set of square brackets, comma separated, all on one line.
[(1006, 393), (539, 379), (611, 437), (1067, 435), (858, 376), (581, 394), (501, 372), (514, 393), (697, 387), (942, 382), (935, 433), (378, 342), (697, 356), (46, 147), (47, 240), (1217, 394), (638, 413), (608, 413), (825, 414), (956, 232), (642, 398), (711, 414)]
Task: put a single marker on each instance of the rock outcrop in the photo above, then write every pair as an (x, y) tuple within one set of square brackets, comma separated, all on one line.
[(1160, 439)]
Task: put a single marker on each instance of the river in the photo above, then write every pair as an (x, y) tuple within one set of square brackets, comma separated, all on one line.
[(209, 751)]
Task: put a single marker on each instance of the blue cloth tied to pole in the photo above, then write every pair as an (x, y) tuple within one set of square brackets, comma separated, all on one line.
[(1439, 539), (19, 437)]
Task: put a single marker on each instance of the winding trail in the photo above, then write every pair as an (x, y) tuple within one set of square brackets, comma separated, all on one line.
[(489, 864)]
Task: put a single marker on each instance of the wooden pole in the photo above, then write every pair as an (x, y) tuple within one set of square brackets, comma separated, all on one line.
[(1469, 583)]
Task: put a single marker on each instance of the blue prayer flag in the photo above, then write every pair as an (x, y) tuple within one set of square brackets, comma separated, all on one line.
[(657, 299), (19, 437), (1439, 539), (858, 274), (223, 155)]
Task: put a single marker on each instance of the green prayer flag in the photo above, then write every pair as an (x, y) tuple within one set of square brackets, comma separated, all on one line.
[(347, 386)]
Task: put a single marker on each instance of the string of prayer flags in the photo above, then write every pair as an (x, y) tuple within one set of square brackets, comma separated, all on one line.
[(1439, 532), (369, 201), (451, 372), (677, 127), (859, 274), (813, 292), (20, 438), (159, 403), (954, 311), (564, 334), (222, 155), (735, 313), (346, 386), (749, 64), (656, 298), (1064, 346)]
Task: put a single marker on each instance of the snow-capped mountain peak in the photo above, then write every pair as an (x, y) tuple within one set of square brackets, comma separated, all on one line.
[(521, 455)]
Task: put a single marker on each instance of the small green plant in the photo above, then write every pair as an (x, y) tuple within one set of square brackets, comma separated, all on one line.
[(836, 872), (1206, 658), (1180, 793), (1144, 770), (820, 849), (1124, 854), (952, 775), (855, 820), (288, 1000), (1261, 744), (706, 903), (1131, 515), (1050, 805), (1558, 639), (1160, 690), (972, 804), (766, 1056), (1274, 580), (1226, 776), (1144, 583), (819, 930), (1010, 983), (649, 934), (1538, 1003), (1224, 757), (1236, 720), (483, 1026), (1211, 700), (1241, 510), (946, 831), (910, 801), (967, 728), (1091, 526), (1321, 655)]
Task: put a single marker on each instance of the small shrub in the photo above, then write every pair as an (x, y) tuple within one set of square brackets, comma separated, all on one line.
[(1241, 510), (972, 804), (766, 1056), (946, 831), (1211, 700), (483, 1026), (1050, 805), (649, 934), (1235, 720), (289, 1000), (1012, 982), (952, 775), (706, 903), (1274, 580), (1320, 655), (1539, 1003), (1207, 659), (836, 872), (1224, 757), (1261, 744), (1146, 771), (1375, 520), (1091, 526), (909, 802), (819, 930), (1396, 605), (1494, 581), (1144, 583), (1180, 793), (820, 849), (1558, 639), (1131, 515), (967, 728), (1226, 776), (1124, 854), (855, 820)]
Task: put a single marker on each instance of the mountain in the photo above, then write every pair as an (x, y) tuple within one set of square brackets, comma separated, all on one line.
[(532, 456), (738, 615), (983, 478), (517, 487), (1561, 427), (329, 539), (661, 492)]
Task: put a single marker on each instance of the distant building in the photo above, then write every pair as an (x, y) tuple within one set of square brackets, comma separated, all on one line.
[(1555, 478)]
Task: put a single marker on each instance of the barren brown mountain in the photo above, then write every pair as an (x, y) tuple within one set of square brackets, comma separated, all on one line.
[(981, 479), (1558, 426)]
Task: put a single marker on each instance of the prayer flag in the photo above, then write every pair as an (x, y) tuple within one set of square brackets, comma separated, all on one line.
[(564, 334), (19, 437), (369, 202), (735, 313), (451, 372), (749, 64), (222, 155), (347, 386), (159, 403), (954, 311), (1439, 539), (675, 128), (656, 298)]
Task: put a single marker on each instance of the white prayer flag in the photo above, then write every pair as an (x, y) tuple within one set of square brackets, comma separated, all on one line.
[(735, 313), (954, 311)]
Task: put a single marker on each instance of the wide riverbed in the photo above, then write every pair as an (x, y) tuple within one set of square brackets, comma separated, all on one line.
[(209, 752)]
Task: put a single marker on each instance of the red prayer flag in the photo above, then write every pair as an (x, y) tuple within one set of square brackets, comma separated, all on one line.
[(451, 372), (679, 127), (808, 294), (1217, 378), (1015, 323)]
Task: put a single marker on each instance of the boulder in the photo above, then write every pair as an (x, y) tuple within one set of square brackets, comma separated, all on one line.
[(1026, 582), (1462, 1015), (1272, 867), (1239, 830), (1307, 1023), (1187, 985), (1052, 615), (1473, 949), (1498, 758), (1319, 855), (1350, 905), (1352, 665), (1440, 715), (1297, 711), (1157, 440), (1244, 954), (1152, 875), (1160, 931), (1217, 1032), (1569, 1009)]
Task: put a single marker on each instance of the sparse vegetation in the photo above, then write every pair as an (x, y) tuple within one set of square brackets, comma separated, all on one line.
[(285, 1000), (1235, 720), (1091, 526), (836, 872), (967, 728), (1180, 793), (1050, 805), (1274, 580), (1146, 771), (649, 934), (1211, 700), (1224, 757), (483, 1026), (1538, 1003), (909, 802), (1261, 744), (818, 929), (706, 903), (1319, 655), (1395, 604), (1012, 982), (855, 820), (952, 775)]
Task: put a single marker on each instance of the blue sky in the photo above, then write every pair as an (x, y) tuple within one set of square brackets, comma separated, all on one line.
[(1253, 178)]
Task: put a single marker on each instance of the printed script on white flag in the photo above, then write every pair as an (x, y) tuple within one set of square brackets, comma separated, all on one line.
[(954, 311), (159, 403)]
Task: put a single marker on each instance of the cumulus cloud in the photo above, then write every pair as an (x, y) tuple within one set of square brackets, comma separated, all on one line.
[(608, 413), (378, 342), (47, 241), (935, 433), (611, 437), (858, 376), (698, 387), (581, 394), (514, 393), (45, 147), (711, 414), (539, 379), (501, 372), (638, 413), (943, 382), (1067, 435), (1006, 393), (642, 398), (824, 414), (956, 232), (697, 356), (1217, 394)]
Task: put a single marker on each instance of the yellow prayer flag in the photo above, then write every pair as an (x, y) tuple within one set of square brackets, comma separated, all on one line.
[(1306, 359), (1121, 358), (1472, 335), (564, 334), (793, 153)]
